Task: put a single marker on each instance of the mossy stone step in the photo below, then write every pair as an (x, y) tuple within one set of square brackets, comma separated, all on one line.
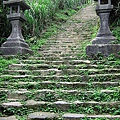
[(57, 51), (12, 104), (60, 44), (66, 78), (60, 65), (58, 71), (43, 116), (58, 55), (52, 58), (71, 116), (81, 63), (73, 62), (8, 118), (76, 106), (45, 72), (64, 106), (52, 85), (90, 71), (29, 66), (23, 94)]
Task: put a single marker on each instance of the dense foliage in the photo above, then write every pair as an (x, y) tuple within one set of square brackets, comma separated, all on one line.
[(4, 24), (42, 13)]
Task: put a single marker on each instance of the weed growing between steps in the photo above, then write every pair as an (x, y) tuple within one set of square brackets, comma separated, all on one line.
[(96, 109), (116, 31), (4, 63)]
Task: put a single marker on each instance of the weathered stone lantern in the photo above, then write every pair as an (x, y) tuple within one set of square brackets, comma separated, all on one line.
[(104, 35), (15, 43), (103, 43)]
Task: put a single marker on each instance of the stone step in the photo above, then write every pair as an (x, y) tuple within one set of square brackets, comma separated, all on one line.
[(35, 72), (69, 48), (67, 116), (60, 50), (51, 52), (74, 116), (8, 118), (29, 66), (89, 71), (36, 116), (62, 44), (72, 62), (106, 62), (59, 47), (59, 64), (112, 77), (57, 42), (64, 106), (63, 39), (43, 116), (53, 84), (61, 54), (67, 43), (69, 58), (23, 94), (61, 70)]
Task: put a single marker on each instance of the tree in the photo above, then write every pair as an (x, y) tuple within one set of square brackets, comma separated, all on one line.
[(4, 23)]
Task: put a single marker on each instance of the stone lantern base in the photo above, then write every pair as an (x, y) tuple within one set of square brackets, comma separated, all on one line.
[(14, 51), (14, 48), (104, 49)]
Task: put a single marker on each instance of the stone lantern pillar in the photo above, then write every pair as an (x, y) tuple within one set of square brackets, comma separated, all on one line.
[(103, 43), (15, 43)]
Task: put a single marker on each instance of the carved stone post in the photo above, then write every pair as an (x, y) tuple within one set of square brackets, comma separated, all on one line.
[(103, 43), (15, 42)]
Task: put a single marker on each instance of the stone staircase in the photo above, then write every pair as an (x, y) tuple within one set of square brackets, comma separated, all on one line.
[(58, 85)]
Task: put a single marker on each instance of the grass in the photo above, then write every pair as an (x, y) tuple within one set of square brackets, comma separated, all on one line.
[(4, 63), (116, 32)]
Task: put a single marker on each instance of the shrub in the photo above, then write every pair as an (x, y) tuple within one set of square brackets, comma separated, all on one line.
[(42, 12), (4, 24)]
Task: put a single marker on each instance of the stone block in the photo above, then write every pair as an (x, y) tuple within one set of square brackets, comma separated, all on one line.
[(42, 116), (8, 118), (105, 49), (15, 51)]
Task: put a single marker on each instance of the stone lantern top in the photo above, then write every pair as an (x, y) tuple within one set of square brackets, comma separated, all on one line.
[(17, 8), (104, 5), (100, 2), (22, 3)]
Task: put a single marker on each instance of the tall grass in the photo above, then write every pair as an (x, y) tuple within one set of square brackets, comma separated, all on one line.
[(42, 12)]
